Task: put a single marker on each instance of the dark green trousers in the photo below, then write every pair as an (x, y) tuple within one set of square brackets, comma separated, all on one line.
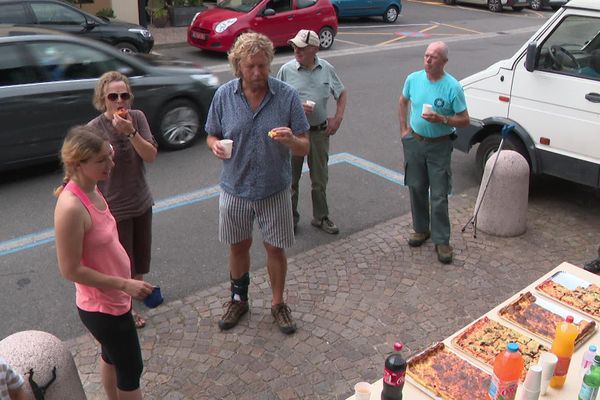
[(429, 179), (318, 158)]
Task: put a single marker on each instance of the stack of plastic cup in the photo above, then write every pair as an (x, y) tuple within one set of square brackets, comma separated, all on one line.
[(532, 384), (548, 362)]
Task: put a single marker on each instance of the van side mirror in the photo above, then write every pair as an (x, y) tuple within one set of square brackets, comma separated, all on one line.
[(268, 12), (532, 57)]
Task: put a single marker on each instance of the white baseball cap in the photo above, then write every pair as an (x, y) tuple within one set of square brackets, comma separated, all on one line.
[(304, 38)]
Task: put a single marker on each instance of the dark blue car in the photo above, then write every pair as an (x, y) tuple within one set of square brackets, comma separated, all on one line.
[(387, 9)]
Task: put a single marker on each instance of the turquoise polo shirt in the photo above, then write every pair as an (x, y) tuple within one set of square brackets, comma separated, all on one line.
[(446, 96), (315, 84)]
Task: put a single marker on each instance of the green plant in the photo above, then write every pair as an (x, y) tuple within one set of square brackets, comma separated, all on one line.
[(106, 12), (159, 12)]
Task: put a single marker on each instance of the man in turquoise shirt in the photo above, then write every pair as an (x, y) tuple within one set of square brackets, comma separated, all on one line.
[(437, 105), (316, 80)]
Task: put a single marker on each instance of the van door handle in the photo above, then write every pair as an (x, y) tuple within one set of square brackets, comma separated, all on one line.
[(593, 97)]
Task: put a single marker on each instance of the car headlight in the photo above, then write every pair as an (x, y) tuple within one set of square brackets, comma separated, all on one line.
[(221, 26), (207, 79), (144, 32)]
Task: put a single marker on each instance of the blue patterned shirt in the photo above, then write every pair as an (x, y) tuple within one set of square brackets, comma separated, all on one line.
[(259, 166)]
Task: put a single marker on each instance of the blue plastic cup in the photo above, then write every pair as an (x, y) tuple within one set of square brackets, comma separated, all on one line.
[(154, 299)]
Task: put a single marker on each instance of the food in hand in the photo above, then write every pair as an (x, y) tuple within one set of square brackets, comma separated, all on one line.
[(122, 112), (272, 134)]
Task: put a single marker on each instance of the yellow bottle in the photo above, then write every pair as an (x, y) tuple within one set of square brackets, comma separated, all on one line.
[(563, 346)]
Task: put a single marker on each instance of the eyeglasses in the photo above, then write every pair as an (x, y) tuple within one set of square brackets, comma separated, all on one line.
[(114, 96)]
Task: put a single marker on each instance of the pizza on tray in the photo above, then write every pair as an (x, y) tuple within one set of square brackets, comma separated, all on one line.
[(486, 338), (583, 299), (447, 375), (538, 320)]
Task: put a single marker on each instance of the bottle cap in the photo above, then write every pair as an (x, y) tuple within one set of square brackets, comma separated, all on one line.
[(512, 347), (592, 348), (569, 319), (398, 346)]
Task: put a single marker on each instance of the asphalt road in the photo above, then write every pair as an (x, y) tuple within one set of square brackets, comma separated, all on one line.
[(365, 179)]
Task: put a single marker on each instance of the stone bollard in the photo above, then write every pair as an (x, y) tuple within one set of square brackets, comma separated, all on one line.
[(503, 209), (41, 352)]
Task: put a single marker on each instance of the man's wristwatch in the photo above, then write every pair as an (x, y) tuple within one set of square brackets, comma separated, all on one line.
[(130, 135)]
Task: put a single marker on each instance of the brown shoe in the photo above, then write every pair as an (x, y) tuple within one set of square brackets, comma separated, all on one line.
[(235, 311), (416, 239), (444, 253), (283, 317)]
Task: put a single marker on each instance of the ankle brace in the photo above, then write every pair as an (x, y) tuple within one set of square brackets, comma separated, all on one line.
[(239, 288)]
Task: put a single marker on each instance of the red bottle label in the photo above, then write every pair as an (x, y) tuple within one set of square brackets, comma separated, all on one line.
[(562, 366), (393, 378)]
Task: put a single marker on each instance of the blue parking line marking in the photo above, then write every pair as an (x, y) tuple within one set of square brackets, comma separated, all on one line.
[(40, 238)]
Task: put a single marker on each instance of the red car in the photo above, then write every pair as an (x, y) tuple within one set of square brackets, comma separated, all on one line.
[(217, 29)]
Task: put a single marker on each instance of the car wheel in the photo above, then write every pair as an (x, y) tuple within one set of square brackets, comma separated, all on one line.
[(536, 5), (178, 125), (326, 36), (518, 9), (488, 147), (450, 2), (494, 5), (391, 14), (127, 47)]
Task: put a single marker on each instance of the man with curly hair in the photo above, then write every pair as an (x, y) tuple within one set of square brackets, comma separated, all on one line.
[(265, 120)]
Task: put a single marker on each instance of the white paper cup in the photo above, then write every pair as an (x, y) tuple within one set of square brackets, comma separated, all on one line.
[(362, 391), (427, 108), (228, 146), (548, 362), (533, 379), (310, 104)]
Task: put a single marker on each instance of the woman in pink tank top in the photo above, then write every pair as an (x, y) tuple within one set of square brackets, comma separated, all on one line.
[(90, 254)]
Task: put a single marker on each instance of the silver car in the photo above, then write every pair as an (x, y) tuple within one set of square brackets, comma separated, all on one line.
[(47, 81), (494, 5)]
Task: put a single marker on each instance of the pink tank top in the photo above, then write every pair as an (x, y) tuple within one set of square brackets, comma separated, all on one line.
[(102, 252)]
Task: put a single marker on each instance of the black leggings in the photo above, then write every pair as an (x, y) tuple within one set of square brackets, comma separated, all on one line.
[(120, 345)]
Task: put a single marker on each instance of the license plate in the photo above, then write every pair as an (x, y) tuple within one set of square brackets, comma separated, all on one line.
[(200, 35)]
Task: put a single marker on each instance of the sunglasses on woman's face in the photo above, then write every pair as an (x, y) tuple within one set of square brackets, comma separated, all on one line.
[(114, 96)]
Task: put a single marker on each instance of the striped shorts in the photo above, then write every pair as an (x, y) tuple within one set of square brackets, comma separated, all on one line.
[(274, 216)]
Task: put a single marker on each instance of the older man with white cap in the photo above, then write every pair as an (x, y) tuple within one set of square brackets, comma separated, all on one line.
[(316, 80)]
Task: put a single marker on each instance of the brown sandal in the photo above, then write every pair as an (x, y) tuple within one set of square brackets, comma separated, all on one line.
[(138, 320)]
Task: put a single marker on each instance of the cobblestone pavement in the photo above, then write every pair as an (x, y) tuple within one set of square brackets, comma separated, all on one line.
[(352, 299)]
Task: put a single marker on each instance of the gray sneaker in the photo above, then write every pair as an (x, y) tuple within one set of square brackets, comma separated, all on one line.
[(233, 314), (283, 317), (326, 225)]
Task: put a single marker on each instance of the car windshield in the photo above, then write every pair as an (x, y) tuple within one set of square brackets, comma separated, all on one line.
[(239, 5)]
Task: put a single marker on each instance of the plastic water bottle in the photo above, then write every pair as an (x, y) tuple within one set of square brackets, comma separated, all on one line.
[(588, 359), (591, 382), (508, 367), (393, 375)]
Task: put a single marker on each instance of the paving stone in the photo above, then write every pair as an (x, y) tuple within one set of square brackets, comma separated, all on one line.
[(351, 298)]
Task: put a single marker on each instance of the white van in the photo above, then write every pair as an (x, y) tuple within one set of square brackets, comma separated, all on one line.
[(550, 90)]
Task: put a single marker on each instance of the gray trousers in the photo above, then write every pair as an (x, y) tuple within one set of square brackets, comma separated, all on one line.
[(318, 158), (429, 178)]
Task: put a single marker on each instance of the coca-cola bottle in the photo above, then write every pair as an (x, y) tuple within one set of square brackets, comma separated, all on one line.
[(393, 375)]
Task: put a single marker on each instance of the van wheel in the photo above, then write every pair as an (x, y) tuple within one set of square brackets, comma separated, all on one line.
[(495, 5), (488, 147), (178, 125), (326, 36)]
